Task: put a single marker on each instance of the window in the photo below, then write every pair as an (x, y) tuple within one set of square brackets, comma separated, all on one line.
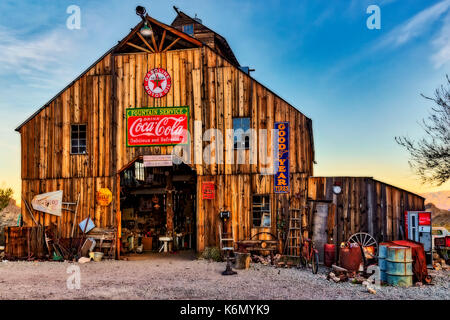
[(261, 211), (78, 139), (189, 29), (241, 128)]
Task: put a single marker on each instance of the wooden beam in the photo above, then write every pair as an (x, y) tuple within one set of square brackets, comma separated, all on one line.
[(162, 40), (175, 31), (154, 42), (138, 47), (172, 44), (145, 41)]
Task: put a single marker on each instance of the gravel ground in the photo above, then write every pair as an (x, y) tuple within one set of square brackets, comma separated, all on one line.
[(183, 277)]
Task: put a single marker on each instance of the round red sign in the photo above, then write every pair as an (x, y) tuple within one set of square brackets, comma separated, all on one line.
[(157, 83)]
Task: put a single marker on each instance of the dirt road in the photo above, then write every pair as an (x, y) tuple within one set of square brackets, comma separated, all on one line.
[(182, 277)]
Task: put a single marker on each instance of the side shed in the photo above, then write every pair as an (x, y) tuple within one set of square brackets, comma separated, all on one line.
[(364, 205)]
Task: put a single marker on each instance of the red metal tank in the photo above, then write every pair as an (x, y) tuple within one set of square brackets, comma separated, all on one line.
[(350, 258), (328, 254)]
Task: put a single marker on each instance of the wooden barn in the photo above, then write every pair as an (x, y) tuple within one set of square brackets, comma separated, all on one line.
[(96, 134), (175, 131)]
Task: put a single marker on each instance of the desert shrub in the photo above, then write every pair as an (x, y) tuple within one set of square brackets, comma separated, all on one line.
[(212, 253)]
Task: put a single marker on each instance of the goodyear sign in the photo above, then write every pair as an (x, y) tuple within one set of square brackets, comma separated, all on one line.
[(281, 181)]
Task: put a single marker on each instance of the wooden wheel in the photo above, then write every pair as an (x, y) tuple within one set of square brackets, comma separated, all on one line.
[(364, 240)]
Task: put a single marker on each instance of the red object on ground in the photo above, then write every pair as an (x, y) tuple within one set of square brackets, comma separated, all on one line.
[(350, 258), (329, 255), (418, 256), (447, 241)]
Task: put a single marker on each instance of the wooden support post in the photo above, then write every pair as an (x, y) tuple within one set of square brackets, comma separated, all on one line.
[(169, 206)]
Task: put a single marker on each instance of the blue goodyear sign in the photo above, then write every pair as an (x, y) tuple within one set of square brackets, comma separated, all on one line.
[(281, 181)]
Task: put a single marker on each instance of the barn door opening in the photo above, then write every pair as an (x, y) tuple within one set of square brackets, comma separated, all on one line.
[(157, 205)]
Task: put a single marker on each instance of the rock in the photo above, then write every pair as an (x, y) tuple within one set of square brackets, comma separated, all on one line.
[(83, 260), (418, 284)]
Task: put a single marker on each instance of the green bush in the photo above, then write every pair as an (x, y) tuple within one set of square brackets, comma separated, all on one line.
[(212, 253)]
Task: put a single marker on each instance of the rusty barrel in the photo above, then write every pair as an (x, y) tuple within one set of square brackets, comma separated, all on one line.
[(382, 255), (399, 266), (350, 258)]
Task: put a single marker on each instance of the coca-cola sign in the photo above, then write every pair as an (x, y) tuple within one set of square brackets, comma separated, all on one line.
[(157, 126)]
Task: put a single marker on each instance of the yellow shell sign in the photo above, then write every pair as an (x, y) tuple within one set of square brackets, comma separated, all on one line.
[(104, 197)]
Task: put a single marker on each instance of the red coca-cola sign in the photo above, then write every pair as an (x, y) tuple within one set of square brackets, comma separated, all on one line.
[(157, 126)]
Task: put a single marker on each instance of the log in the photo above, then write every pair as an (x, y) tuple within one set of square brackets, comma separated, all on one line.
[(242, 260)]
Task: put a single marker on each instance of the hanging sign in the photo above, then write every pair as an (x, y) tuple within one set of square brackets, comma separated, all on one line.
[(104, 197), (157, 126), (50, 202), (157, 83), (281, 179), (158, 161), (208, 190)]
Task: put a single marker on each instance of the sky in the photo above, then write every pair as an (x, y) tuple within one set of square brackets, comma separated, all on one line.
[(360, 86)]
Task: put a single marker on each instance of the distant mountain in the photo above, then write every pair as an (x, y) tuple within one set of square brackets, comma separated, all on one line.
[(440, 199), (439, 217)]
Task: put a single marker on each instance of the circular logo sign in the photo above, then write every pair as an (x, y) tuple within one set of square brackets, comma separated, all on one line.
[(157, 83), (104, 197)]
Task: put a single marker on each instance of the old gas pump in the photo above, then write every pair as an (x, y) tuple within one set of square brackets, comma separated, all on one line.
[(418, 228), (225, 239)]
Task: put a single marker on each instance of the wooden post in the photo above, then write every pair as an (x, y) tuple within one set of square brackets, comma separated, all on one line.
[(169, 206)]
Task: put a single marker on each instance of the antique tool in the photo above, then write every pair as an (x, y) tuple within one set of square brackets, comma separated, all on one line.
[(224, 242)]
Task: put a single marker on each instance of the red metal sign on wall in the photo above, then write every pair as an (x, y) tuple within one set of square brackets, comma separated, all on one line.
[(157, 83), (208, 190), (157, 126), (424, 218)]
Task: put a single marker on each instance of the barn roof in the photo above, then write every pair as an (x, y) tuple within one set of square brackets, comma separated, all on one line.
[(165, 38)]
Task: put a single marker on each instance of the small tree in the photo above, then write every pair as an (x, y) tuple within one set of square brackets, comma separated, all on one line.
[(430, 156), (5, 197)]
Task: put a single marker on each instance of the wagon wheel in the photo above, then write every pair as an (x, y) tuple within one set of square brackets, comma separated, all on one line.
[(364, 240)]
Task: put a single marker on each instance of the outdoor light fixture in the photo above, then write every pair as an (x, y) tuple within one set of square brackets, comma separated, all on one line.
[(146, 30)]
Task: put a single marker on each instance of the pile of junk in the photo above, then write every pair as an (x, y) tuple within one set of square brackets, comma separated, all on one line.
[(363, 261)]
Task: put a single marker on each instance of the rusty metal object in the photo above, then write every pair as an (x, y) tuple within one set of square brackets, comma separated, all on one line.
[(350, 258), (399, 266)]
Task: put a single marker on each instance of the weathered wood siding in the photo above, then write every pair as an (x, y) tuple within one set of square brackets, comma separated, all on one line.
[(366, 205), (234, 193), (215, 92)]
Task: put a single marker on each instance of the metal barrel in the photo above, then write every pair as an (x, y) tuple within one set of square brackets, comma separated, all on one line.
[(382, 255), (399, 266)]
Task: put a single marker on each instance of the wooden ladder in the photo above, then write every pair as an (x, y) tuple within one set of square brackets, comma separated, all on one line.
[(226, 240), (293, 240)]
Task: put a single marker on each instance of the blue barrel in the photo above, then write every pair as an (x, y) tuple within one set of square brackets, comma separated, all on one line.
[(399, 266), (382, 255)]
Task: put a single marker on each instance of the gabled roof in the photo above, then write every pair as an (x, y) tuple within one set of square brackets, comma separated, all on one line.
[(165, 37)]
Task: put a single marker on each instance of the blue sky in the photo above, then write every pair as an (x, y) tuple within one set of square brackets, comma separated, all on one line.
[(361, 87)]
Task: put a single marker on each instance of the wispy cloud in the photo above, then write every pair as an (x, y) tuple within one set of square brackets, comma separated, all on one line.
[(442, 45), (415, 26), (410, 30), (36, 60)]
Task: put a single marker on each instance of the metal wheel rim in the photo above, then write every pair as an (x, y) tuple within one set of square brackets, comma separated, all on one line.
[(364, 239)]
